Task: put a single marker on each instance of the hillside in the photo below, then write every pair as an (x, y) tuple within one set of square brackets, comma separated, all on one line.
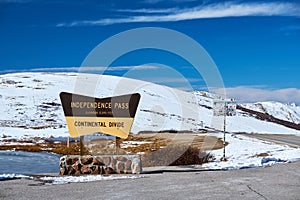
[(286, 112), (30, 106)]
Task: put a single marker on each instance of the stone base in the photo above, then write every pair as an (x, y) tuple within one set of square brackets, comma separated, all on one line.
[(100, 164)]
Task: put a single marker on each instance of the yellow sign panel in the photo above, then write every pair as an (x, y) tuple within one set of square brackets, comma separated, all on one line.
[(119, 127), (88, 115)]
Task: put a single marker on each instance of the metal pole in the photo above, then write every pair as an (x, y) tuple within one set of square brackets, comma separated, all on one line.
[(224, 132)]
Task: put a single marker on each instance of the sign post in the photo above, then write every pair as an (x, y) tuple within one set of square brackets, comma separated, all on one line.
[(87, 115), (81, 145), (223, 108)]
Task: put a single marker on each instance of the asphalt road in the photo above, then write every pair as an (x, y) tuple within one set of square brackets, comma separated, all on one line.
[(281, 181), (291, 140)]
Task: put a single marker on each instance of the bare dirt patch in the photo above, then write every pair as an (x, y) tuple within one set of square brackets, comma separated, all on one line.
[(161, 149), (262, 155), (156, 149)]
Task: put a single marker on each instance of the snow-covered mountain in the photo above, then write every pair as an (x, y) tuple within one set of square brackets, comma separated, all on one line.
[(30, 106), (287, 112)]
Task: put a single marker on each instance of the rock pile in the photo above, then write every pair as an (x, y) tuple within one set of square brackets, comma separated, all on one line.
[(100, 164)]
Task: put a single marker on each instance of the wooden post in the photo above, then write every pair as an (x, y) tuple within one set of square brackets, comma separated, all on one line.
[(81, 145), (68, 142), (117, 141)]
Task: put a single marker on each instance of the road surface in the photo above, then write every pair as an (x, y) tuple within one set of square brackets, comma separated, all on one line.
[(290, 140), (281, 181)]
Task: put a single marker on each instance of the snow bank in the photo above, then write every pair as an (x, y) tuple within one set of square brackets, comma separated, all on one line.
[(83, 179), (4, 177), (244, 152), (56, 180)]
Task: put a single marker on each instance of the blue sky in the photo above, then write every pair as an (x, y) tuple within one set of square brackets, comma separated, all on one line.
[(255, 44)]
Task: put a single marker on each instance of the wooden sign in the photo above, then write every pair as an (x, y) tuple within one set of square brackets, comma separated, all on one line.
[(88, 115)]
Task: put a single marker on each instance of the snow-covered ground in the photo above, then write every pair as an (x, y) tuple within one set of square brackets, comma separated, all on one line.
[(30, 107), (247, 124), (241, 152), (246, 152), (288, 112), (89, 178), (57, 180), (12, 176)]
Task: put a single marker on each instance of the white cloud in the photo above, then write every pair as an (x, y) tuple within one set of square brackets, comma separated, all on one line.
[(218, 10), (165, 80), (179, 80), (174, 1), (138, 67), (149, 11), (49, 69), (85, 69), (96, 69), (246, 94)]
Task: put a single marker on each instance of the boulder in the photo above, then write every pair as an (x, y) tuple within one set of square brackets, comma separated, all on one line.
[(109, 170), (77, 173), (113, 164), (121, 158), (128, 165), (71, 161), (62, 162), (120, 168), (97, 161), (95, 169), (63, 171), (106, 160), (86, 169), (77, 166), (86, 160), (71, 170)]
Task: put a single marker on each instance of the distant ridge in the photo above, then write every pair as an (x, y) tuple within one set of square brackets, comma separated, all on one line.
[(269, 118)]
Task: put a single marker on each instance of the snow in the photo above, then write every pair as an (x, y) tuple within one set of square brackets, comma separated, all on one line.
[(248, 124), (127, 144), (241, 152), (83, 179), (57, 180), (4, 177), (30, 106), (244, 152), (288, 112), (16, 143)]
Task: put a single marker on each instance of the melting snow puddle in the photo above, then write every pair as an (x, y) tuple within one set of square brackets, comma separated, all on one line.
[(19, 162)]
